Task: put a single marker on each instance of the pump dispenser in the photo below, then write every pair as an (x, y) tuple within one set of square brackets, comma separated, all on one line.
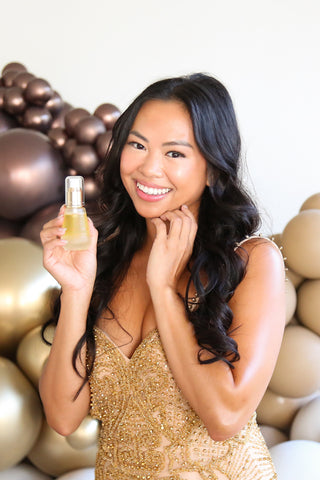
[(75, 216)]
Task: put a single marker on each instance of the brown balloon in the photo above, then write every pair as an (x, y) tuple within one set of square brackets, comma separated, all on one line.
[(13, 101), (9, 229), (68, 149), (8, 77), (38, 91), (102, 144), (84, 159), (38, 118), (88, 129), (7, 122), (32, 228), (16, 66), (54, 104), (22, 79), (91, 188), (58, 137), (108, 113), (2, 92), (58, 119), (73, 117), (31, 174)]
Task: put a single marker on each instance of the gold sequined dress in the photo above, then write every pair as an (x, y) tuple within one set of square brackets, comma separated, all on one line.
[(148, 429)]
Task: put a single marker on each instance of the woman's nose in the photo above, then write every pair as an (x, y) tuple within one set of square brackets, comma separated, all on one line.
[(152, 165)]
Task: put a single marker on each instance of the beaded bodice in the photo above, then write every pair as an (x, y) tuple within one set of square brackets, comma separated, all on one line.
[(149, 431)]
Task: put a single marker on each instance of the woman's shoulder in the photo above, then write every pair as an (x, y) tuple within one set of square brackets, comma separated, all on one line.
[(260, 248)]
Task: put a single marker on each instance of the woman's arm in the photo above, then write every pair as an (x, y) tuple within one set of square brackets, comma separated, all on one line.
[(59, 383), (225, 398)]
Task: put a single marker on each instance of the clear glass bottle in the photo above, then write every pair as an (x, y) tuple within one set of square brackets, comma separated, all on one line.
[(75, 215)]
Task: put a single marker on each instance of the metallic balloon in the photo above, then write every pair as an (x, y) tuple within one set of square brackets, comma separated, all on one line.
[(108, 113), (20, 414), (27, 291), (102, 144), (38, 118), (86, 434), (2, 92), (68, 149), (31, 173), (58, 137), (32, 228), (8, 77), (9, 228), (84, 159), (55, 104), (53, 455), (91, 188), (33, 352), (22, 79), (88, 129), (58, 119), (16, 66), (78, 474), (38, 91), (7, 122), (73, 117), (13, 101)]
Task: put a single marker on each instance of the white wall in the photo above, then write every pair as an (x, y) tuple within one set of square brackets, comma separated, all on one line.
[(265, 51)]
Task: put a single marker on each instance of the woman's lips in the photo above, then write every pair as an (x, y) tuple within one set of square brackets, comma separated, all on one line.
[(151, 194)]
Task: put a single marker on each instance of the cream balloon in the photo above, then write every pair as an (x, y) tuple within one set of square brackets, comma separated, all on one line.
[(278, 411), (23, 472), (309, 305), (291, 300), (297, 372), (297, 460), (312, 202), (86, 434), (33, 352), (301, 244), (294, 277), (272, 436), (80, 474), (306, 424), (20, 415), (26, 291), (53, 455)]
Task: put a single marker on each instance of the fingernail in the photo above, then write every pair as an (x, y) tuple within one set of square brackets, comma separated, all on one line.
[(184, 207)]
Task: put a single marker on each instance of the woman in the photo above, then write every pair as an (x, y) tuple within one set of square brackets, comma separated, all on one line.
[(180, 322)]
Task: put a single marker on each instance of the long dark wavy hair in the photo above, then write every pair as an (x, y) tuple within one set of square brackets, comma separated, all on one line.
[(227, 215)]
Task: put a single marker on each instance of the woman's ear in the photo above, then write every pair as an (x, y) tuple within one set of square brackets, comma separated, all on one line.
[(210, 178)]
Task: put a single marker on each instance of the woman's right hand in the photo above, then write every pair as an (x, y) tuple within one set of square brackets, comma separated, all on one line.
[(73, 270)]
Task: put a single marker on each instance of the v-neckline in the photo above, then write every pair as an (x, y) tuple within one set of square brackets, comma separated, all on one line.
[(140, 345)]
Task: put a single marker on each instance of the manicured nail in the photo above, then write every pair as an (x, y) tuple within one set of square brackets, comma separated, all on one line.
[(184, 207)]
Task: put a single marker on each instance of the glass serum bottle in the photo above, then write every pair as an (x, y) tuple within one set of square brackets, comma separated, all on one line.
[(75, 216)]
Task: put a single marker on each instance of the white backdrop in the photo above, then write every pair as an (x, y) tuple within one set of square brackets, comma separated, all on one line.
[(266, 52)]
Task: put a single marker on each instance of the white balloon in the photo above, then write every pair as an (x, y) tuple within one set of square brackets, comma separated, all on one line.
[(23, 472), (297, 460), (79, 474)]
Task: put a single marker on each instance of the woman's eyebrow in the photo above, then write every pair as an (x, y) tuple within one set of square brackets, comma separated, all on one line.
[(137, 134), (178, 142)]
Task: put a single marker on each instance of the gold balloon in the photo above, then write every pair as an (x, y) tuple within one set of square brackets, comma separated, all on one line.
[(309, 305), (294, 277), (26, 291), (86, 434), (33, 352), (291, 300), (306, 424), (297, 371), (272, 435), (278, 411), (311, 202), (301, 244), (20, 415), (53, 455)]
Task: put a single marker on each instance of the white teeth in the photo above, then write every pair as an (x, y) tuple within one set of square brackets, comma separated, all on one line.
[(152, 191)]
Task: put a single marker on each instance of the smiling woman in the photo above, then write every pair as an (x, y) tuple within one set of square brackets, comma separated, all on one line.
[(175, 322)]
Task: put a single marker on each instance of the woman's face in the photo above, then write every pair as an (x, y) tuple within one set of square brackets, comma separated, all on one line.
[(161, 166)]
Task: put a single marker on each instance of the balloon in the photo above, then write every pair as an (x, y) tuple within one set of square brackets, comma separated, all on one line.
[(53, 455), (17, 67), (26, 291), (86, 434), (32, 228), (108, 113), (79, 474), (38, 118), (91, 188), (291, 300), (23, 472), (84, 159), (68, 149), (7, 122), (33, 352), (301, 244), (294, 277), (38, 91), (102, 144), (88, 129), (296, 460), (73, 117), (306, 424), (58, 137), (297, 372), (312, 202), (13, 100), (271, 435), (22, 79), (31, 174), (2, 92), (20, 415), (54, 104), (9, 229), (8, 77), (58, 119), (309, 305)]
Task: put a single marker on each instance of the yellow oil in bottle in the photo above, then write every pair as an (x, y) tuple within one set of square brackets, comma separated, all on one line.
[(77, 233)]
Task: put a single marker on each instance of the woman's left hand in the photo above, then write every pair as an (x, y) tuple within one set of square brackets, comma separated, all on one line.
[(172, 247)]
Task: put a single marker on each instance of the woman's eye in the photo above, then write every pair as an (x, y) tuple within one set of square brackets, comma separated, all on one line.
[(175, 154), (136, 145)]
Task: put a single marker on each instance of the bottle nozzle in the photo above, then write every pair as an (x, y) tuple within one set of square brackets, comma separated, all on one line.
[(74, 191)]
